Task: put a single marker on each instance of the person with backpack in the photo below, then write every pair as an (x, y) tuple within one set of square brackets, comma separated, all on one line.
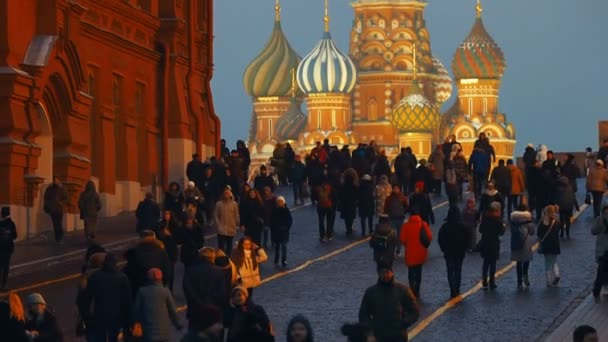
[(453, 240), (522, 233), (326, 210), (8, 235), (395, 207), (416, 236), (384, 241)]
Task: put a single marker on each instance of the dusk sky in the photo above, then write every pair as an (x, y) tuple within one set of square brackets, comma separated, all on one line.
[(553, 90)]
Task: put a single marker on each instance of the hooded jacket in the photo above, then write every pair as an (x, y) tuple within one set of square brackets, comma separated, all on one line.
[(522, 220), (415, 252), (148, 253), (89, 202)]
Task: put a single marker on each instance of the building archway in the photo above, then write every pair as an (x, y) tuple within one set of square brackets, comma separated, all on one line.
[(45, 166)]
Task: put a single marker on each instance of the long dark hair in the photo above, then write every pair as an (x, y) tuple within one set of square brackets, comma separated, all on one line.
[(238, 254), (304, 321)]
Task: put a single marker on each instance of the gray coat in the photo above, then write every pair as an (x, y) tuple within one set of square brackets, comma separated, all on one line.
[(522, 220), (600, 229), (89, 203), (155, 310)]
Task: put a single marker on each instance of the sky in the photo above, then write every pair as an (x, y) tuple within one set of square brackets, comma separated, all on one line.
[(553, 88)]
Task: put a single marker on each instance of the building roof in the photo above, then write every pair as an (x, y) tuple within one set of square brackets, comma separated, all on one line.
[(442, 83), (415, 113), (291, 123)]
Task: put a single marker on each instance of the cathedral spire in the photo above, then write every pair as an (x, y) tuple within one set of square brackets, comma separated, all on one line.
[(277, 11), (326, 17), (478, 8)]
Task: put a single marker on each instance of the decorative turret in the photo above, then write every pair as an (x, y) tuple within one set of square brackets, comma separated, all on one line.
[(442, 83), (292, 122)]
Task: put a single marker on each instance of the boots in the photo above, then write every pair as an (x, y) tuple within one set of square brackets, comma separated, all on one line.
[(526, 280), (555, 275), (550, 279)]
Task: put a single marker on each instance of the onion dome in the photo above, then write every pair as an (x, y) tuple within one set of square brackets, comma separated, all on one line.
[(326, 69), (415, 113), (443, 82), (478, 56), (268, 73), (291, 123)]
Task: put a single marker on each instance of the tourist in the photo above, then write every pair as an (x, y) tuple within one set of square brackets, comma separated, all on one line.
[(192, 240), (565, 200), (437, 161), (596, 185), (384, 241), (93, 264), (12, 319), (169, 233), (522, 239), (451, 183), (382, 166), (264, 180), (501, 177), (462, 171), (326, 210), (280, 224), (269, 201), (148, 212), (148, 252), (422, 174), (347, 202), (470, 222), (396, 206), (297, 177), (383, 190), (600, 230), (41, 325), (299, 330), (416, 250), (491, 228), (205, 325), (89, 205), (245, 320), (585, 333), (8, 235), (247, 258), (227, 219), (195, 171), (453, 241), (365, 204), (193, 200), (491, 195), (479, 164), (251, 211), (55, 201), (174, 201), (548, 234), (420, 201), (572, 172), (388, 307), (517, 187)]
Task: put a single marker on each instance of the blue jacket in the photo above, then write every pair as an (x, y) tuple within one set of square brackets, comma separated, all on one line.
[(155, 310), (479, 162)]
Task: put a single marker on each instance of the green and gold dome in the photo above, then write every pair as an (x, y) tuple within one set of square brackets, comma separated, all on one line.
[(268, 75), (415, 113)]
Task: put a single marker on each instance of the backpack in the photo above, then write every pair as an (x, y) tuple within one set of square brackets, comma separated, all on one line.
[(425, 241), (379, 242), (325, 197), (517, 238)]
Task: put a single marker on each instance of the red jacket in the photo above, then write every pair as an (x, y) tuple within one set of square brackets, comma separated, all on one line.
[(415, 253)]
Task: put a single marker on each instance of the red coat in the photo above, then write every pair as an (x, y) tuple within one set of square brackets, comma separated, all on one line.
[(415, 253)]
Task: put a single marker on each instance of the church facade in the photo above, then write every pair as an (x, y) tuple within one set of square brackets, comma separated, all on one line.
[(116, 91)]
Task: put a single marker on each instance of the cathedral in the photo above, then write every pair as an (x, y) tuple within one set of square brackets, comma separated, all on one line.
[(388, 88)]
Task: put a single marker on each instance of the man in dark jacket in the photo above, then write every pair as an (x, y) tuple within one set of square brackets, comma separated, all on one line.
[(195, 171), (41, 325), (204, 284), (501, 175), (148, 253), (107, 304), (389, 307), (263, 179), (147, 213), (297, 177), (405, 164), (55, 200), (8, 235), (384, 241), (395, 206)]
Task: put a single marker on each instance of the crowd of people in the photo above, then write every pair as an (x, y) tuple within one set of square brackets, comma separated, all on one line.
[(535, 202)]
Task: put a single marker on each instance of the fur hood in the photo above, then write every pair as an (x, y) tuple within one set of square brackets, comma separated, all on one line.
[(521, 216)]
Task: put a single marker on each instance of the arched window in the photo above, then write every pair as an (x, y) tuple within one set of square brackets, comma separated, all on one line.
[(372, 110)]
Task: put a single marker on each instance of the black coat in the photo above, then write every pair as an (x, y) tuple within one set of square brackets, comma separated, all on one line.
[(453, 239), (12, 329), (148, 253), (382, 167), (422, 203), (204, 284), (192, 240), (550, 244), (491, 229), (423, 174), (365, 198), (251, 214), (502, 179), (174, 202), (107, 298), (280, 224), (8, 235), (250, 323), (347, 194), (170, 241), (564, 196), (148, 213), (195, 171), (263, 181), (48, 328), (487, 199)]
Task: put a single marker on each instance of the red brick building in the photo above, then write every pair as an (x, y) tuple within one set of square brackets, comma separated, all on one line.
[(117, 91)]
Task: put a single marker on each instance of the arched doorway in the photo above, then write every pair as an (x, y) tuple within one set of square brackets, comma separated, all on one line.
[(45, 167)]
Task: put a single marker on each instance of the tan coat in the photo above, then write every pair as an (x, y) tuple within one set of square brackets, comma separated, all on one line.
[(227, 217), (517, 180), (251, 276), (597, 179)]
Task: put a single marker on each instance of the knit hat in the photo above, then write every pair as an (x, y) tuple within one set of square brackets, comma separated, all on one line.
[(191, 183), (155, 274), (204, 316), (35, 298), (419, 185)]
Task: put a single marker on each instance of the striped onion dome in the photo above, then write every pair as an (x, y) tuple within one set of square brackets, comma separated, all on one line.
[(291, 123), (443, 82), (326, 70), (269, 74), (478, 56), (415, 113)]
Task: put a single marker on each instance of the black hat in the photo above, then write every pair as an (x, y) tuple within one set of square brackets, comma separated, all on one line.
[(5, 211), (384, 266)]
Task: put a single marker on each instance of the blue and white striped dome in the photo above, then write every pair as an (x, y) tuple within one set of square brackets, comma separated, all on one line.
[(326, 70)]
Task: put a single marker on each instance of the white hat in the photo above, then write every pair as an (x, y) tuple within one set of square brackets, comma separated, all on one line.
[(35, 298), (366, 177), (599, 162), (281, 198), (191, 183)]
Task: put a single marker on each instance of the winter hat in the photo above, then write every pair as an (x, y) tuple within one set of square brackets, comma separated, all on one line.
[(599, 162), (204, 316), (191, 184), (530, 145), (155, 274), (35, 298), (384, 266), (366, 177), (281, 198), (5, 212), (241, 289), (419, 185)]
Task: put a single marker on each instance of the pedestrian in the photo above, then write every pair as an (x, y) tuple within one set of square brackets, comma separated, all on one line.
[(194, 201), (55, 201), (596, 185), (155, 310), (415, 237), (269, 201), (12, 319), (502, 179), (299, 330), (548, 233), (326, 210), (490, 196), (358, 333), (147, 253), (247, 258), (384, 241), (451, 183), (148, 212), (365, 204), (264, 180), (479, 165), (522, 239), (204, 284), (280, 223), (8, 235), (206, 325), (491, 229), (192, 240), (388, 307), (93, 264), (453, 241), (462, 172), (106, 305), (600, 230), (41, 324), (422, 174), (395, 207), (251, 211), (383, 190), (245, 320), (405, 164), (174, 201), (437, 161), (89, 205), (168, 232), (517, 187), (420, 201), (227, 219), (470, 222), (565, 200), (347, 199), (229, 271), (585, 333), (297, 177)]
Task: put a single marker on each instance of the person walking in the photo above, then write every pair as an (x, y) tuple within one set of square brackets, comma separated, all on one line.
[(41, 324), (396, 206), (280, 223), (596, 185), (192, 240), (147, 253), (384, 241), (148, 213), (247, 258), (501, 177), (12, 319), (548, 233), (251, 211), (415, 236), (347, 203), (451, 183), (299, 330), (245, 320), (155, 309), (55, 200), (365, 204), (297, 177), (168, 232), (420, 201), (491, 228), (600, 230), (565, 201), (437, 161), (227, 219), (326, 210), (490, 196), (8, 235), (269, 201), (522, 239), (517, 187), (470, 222), (174, 201), (383, 190), (388, 307), (89, 205), (453, 241)]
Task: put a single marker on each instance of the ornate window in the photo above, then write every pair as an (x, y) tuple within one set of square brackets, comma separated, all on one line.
[(372, 110)]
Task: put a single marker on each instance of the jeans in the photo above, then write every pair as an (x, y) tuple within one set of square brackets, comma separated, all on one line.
[(348, 222), (397, 223), (298, 192), (5, 262), (601, 278), (454, 267), (224, 242), (280, 249), (324, 214), (414, 276), (522, 272), (367, 221), (551, 268), (488, 266), (597, 202), (512, 203), (57, 219)]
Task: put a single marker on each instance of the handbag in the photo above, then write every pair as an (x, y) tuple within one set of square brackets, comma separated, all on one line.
[(424, 238), (588, 198), (540, 242)]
